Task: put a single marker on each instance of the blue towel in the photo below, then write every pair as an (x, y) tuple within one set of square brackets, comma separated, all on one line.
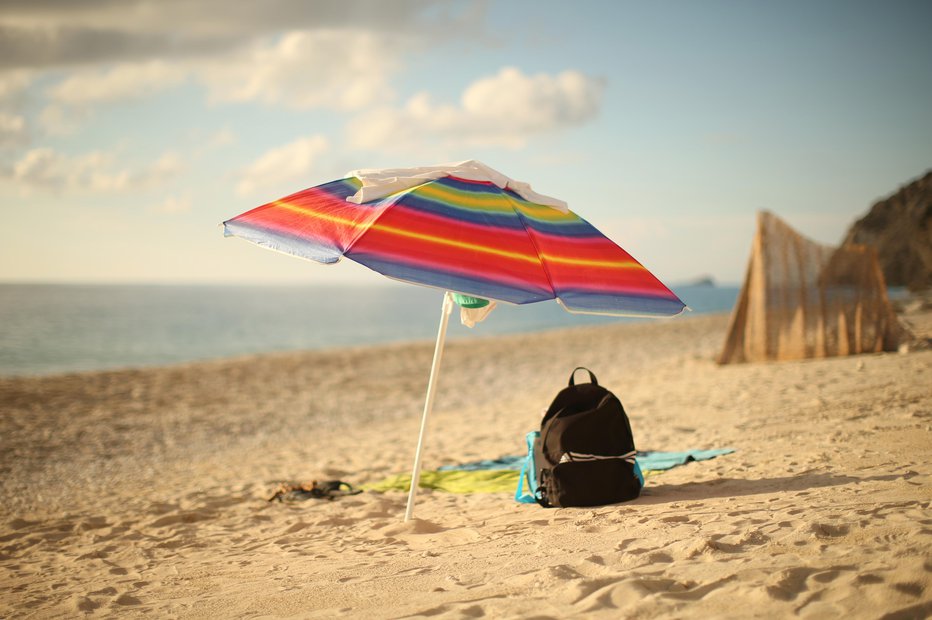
[(650, 459), (656, 461)]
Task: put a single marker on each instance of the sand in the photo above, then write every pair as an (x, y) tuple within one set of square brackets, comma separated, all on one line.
[(142, 492)]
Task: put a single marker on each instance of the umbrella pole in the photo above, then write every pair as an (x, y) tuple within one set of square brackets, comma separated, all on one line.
[(429, 402)]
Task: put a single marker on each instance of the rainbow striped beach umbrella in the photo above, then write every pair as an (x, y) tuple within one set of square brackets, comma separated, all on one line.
[(461, 228)]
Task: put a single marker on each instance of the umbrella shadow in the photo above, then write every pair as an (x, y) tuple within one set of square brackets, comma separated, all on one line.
[(655, 493)]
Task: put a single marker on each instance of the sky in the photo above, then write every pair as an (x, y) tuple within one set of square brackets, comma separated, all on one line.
[(130, 129)]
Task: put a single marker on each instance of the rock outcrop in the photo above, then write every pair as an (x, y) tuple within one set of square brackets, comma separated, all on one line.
[(900, 229)]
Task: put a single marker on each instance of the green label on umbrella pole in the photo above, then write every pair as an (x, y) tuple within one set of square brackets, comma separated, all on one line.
[(469, 302)]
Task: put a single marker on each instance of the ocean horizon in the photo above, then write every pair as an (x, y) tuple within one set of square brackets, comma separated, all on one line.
[(59, 328)]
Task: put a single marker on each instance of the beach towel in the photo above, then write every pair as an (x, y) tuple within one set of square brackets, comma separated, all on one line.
[(648, 460), (503, 462), (502, 475), (453, 481), (659, 461)]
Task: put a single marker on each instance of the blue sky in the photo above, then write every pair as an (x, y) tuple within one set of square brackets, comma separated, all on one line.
[(129, 130)]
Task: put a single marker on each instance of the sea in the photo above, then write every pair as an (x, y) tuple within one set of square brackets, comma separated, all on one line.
[(58, 328)]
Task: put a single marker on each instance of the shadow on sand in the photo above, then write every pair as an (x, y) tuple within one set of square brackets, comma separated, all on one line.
[(655, 493)]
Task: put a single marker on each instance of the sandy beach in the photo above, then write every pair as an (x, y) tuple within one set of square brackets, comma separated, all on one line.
[(143, 492)]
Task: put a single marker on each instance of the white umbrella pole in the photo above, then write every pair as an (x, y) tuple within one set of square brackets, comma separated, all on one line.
[(429, 403)]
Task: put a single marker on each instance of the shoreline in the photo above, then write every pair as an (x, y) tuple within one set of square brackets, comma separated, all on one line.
[(61, 331), (476, 336)]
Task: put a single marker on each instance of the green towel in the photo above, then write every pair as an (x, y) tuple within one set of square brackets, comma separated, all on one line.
[(458, 481), (487, 481)]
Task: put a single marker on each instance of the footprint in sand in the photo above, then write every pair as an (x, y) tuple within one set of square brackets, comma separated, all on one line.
[(788, 584), (676, 519), (629, 594), (828, 530)]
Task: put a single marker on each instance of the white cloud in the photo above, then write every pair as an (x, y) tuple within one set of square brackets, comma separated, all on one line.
[(533, 103), (293, 162), (72, 99), (210, 141), (174, 204), (12, 129), (57, 120), (502, 110), (337, 69), (340, 69), (279, 52), (166, 167), (122, 82), (97, 171), (41, 34), (223, 137), (13, 83)]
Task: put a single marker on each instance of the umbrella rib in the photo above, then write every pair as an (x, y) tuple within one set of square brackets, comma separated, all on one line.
[(362, 230), (540, 257)]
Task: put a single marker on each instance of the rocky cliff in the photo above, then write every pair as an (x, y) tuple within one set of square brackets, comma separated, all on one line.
[(900, 228)]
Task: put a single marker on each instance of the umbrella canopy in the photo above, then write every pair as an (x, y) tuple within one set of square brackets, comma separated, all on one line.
[(459, 227), (466, 231)]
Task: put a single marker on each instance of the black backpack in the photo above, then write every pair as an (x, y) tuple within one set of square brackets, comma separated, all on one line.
[(585, 452)]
